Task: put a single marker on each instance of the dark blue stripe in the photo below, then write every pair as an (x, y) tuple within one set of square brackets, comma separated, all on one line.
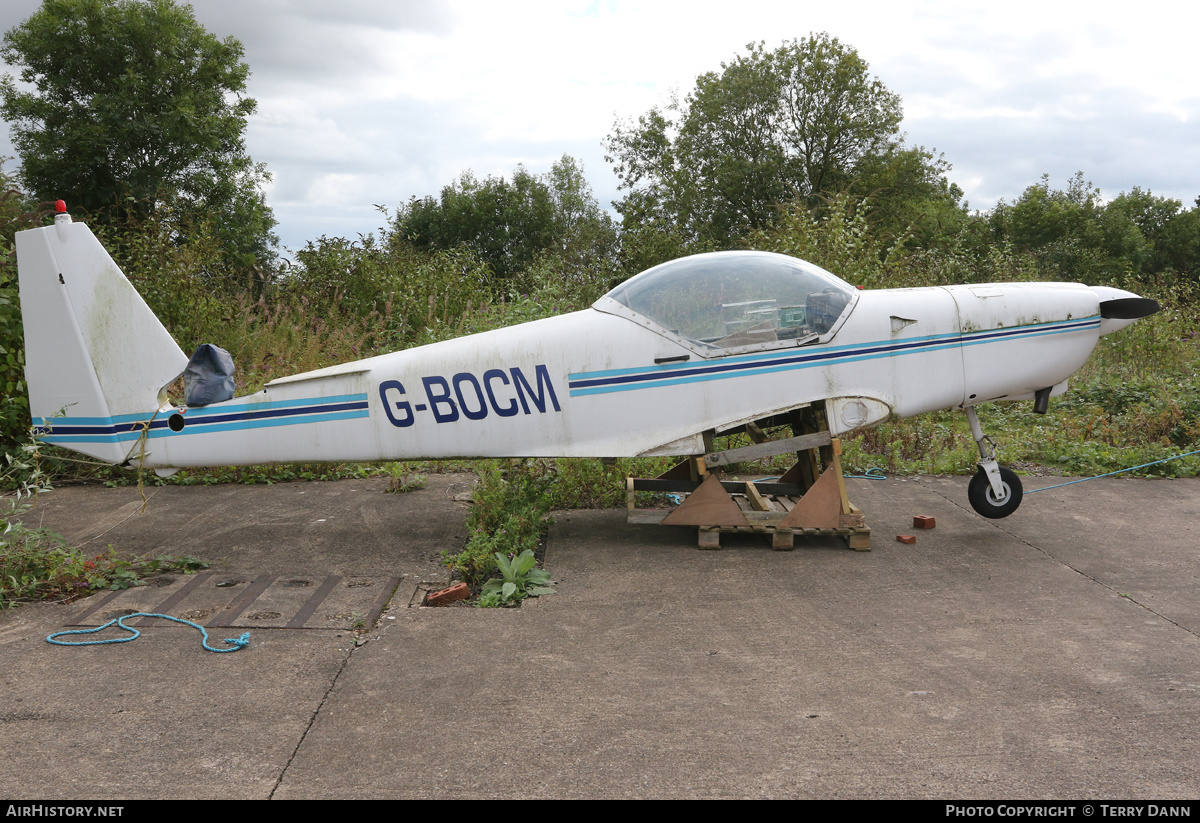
[(267, 413), (756, 364), (980, 337), (841, 353), (205, 419), (119, 428)]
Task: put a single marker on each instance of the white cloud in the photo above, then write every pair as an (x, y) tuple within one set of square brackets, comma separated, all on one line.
[(375, 103)]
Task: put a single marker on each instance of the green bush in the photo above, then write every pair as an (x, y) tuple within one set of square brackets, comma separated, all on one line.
[(16, 214)]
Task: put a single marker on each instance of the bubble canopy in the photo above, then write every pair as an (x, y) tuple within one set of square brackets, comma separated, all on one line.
[(738, 300)]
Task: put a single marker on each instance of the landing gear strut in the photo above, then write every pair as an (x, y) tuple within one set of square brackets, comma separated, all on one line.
[(994, 491)]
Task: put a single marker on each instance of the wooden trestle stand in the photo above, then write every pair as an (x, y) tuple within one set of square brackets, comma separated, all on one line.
[(808, 500)]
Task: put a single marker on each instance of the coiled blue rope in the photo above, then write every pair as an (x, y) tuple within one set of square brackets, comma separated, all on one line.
[(237, 644), (1110, 474)]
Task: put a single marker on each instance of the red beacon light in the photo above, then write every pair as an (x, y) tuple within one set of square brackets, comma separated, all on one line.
[(60, 206), (60, 213)]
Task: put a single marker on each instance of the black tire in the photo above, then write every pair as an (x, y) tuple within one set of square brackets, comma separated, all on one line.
[(983, 500)]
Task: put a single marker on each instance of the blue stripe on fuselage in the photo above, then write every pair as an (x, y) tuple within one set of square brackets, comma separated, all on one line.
[(617, 380), (232, 417)]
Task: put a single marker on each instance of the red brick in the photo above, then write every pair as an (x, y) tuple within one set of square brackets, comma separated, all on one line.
[(923, 521), (458, 591), (907, 538)]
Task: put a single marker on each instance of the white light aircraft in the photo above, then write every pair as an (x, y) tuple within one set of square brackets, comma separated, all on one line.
[(689, 349)]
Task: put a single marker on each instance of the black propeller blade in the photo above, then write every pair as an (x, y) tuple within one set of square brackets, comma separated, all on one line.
[(1128, 308)]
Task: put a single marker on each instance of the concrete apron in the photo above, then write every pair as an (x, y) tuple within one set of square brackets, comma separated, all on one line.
[(1050, 654)]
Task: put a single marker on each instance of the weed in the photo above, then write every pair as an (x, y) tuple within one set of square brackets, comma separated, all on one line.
[(511, 511), (41, 566), (402, 479), (589, 483), (519, 579), (38, 564), (267, 474)]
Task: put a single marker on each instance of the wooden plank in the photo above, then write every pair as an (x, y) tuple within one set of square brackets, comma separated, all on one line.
[(764, 518), (755, 498), (859, 541), (768, 449), (812, 459), (852, 521), (841, 481), (708, 538), (643, 484)]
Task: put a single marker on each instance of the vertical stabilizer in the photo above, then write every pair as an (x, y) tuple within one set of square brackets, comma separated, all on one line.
[(93, 349)]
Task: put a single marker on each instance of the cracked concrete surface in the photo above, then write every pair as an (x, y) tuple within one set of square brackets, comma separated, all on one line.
[(1051, 654)]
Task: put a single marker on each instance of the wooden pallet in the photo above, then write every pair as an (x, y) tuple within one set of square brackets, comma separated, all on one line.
[(782, 510)]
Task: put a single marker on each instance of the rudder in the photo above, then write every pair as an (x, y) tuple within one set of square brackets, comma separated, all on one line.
[(94, 351)]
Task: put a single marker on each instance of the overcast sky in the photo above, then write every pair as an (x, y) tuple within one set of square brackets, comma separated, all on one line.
[(373, 103)]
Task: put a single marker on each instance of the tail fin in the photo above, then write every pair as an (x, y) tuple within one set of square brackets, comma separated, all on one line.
[(93, 349)]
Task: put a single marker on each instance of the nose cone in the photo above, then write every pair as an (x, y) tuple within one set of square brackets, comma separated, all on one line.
[(1119, 308)]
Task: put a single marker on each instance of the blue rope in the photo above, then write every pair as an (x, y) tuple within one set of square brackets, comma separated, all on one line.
[(1110, 474), (238, 644)]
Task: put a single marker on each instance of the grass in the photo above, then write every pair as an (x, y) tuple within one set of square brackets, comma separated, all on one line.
[(38, 564)]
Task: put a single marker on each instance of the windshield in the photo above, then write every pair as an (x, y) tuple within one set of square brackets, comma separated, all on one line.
[(733, 299)]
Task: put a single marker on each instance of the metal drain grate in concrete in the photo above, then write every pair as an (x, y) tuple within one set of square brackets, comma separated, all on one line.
[(270, 601)]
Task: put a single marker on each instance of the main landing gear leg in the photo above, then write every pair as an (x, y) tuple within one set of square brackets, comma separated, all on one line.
[(994, 491)]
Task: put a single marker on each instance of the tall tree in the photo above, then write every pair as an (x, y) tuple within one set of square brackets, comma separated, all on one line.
[(771, 126), (1171, 232), (1075, 234), (125, 105), (909, 196), (506, 223)]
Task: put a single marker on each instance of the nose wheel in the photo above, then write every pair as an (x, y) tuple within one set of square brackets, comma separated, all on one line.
[(989, 504), (994, 491)]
